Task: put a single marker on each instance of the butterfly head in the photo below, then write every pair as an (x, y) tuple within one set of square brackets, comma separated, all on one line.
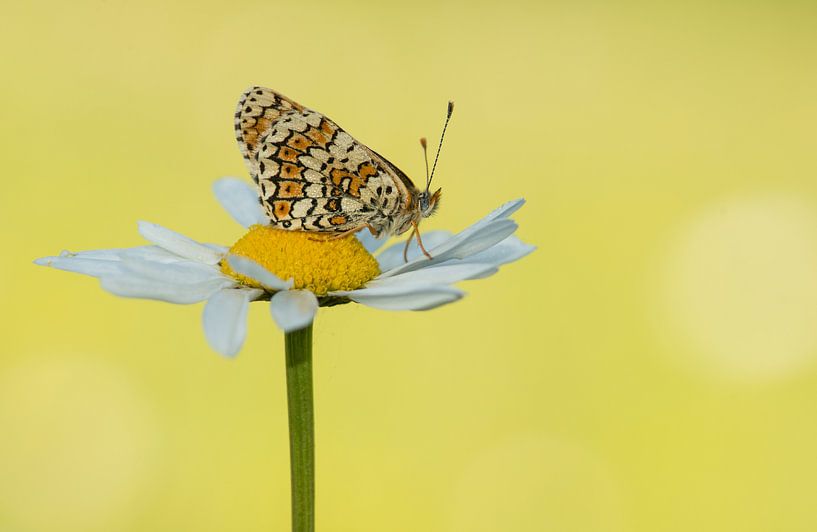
[(428, 203)]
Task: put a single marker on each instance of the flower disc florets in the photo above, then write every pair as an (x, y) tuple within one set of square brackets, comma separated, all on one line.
[(316, 262)]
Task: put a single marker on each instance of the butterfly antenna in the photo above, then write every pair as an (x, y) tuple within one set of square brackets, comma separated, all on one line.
[(424, 144), (447, 118)]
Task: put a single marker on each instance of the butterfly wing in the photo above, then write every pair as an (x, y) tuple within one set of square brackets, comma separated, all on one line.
[(257, 109), (311, 174)]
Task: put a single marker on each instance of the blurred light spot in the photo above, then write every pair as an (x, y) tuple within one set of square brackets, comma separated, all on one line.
[(77, 444), (740, 287), (532, 483)]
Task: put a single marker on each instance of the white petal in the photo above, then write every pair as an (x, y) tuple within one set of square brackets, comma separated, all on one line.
[(153, 253), (505, 210), (92, 267), (178, 244), (369, 242), (509, 250), (113, 254), (461, 245), (448, 273), (487, 236), (293, 309), (240, 200), (404, 296), (225, 319), (101, 254), (500, 213), (100, 261), (182, 272), (477, 237), (392, 256), (253, 270), (133, 286)]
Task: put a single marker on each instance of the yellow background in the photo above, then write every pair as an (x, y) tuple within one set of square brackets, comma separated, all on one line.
[(651, 367)]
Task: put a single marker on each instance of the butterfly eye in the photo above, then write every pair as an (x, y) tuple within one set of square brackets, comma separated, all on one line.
[(433, 203), (423, 201), (427, 204)]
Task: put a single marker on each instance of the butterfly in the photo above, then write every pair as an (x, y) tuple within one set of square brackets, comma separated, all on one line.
[(313, 176)]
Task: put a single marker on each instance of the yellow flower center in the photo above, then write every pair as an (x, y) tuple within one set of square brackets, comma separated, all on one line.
[(316, 262)]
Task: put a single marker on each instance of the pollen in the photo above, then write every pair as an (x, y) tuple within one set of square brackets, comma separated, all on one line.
[(316, 262)]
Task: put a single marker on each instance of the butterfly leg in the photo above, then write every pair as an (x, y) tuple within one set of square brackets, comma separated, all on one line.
[(408, 241), (420, 241)]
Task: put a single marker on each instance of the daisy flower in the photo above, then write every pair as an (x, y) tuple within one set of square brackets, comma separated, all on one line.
[(296, 271)]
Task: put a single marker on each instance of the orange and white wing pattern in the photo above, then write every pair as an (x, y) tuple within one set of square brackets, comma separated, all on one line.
[(312, 175), (257, 109)]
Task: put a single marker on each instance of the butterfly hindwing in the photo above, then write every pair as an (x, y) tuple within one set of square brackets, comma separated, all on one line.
[(258, 108)]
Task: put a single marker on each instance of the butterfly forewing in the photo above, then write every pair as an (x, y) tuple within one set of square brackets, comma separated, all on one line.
[(311, 174)]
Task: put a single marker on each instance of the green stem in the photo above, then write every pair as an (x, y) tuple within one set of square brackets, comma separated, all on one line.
[(301, 428)]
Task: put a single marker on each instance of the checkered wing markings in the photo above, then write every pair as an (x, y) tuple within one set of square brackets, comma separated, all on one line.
[(258, 108), (314, 176)]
